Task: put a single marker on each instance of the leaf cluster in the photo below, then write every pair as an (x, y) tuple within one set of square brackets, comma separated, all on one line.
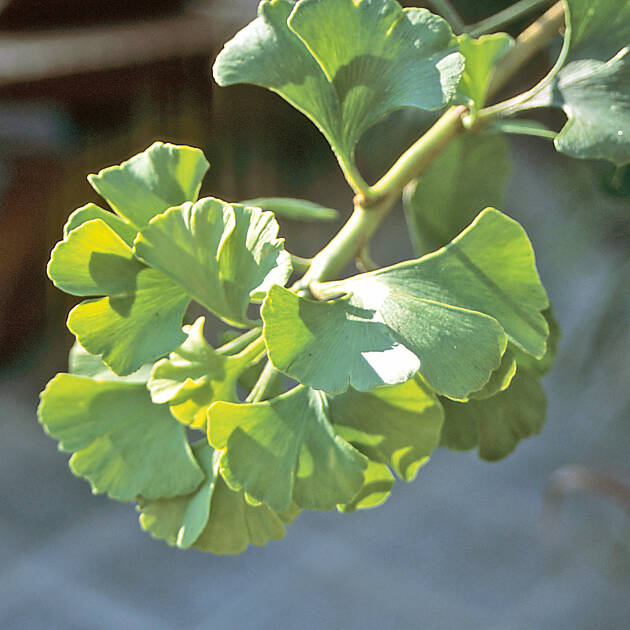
[(341, 385)]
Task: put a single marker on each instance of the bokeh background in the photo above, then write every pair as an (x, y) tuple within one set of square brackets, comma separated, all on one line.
[(85, 84)]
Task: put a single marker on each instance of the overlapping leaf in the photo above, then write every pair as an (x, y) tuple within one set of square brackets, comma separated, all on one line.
[(222, 254), (121, 442), (163, 176), (286, 450), (470, 174), (345, 63), (140, 318), (448, 314), (195, 375), (213, 517), (496, 423), (593, 86), (481, 56)]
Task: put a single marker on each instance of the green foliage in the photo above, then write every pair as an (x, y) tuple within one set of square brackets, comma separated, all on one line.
[(345, 64), (448, 349)]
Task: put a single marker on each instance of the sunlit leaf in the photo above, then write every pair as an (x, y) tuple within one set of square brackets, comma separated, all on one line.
[(593, 86), (286, 449), (446, 314), (140, 318), (378, 485), (399, 426), (122, 443), (295, 209), (213, 517), (90, 211), (163, 176), (82, 363), (497, 424), (223, 255), (345, 63), (481, 56), (470, 174), (195, 375)]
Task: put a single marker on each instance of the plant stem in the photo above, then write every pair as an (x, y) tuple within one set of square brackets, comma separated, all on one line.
[(450, 14), (301, 265), (528, 43), (419, 155), (373, 204), (266, 379), (503, 18), (241, 342)]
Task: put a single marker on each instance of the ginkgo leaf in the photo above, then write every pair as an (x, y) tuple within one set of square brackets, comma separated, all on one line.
[(501, 377), (223, 255), (82, 363), (377, 487), (399, 426), (90, 211), (140, 318), (593, 86), (448, 314), (345, 63), (213, 517), (122, 443), (163, 176), (286, 449), (481, 55), (496, 425), (195, 375), (470, 174)]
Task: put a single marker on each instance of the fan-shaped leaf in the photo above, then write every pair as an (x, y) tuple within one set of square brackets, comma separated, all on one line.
[(345, 63), (213, 517), (121, 442), (163, 176), (286, 449), (222, 254)]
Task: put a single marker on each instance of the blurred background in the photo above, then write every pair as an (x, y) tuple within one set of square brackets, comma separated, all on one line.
[(87, 84)]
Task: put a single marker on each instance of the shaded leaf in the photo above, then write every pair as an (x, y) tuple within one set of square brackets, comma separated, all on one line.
[(481, 55), (82, 363), (446, 314), (501, 377), (285, 449), (195, 375), (294, 209), (470, 174), (496, 425), (91, 211), (593, 86), (213, 517), (163, 176), (122, 443), (345, 64), (222, 254), (399, 426)]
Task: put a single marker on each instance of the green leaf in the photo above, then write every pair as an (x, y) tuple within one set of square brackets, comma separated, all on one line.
[(541, 366), (446, 314), (82, 363), (163, 176), (399, 426), (593, 86), (345, 63), (294, 209), (481, 56), (223, 255), (501, 377), (91, 211), (195, 375), (122, 443), (470, 174), (497, 424), (378, 485), (286, 449), (139, 320), (213, 517)]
